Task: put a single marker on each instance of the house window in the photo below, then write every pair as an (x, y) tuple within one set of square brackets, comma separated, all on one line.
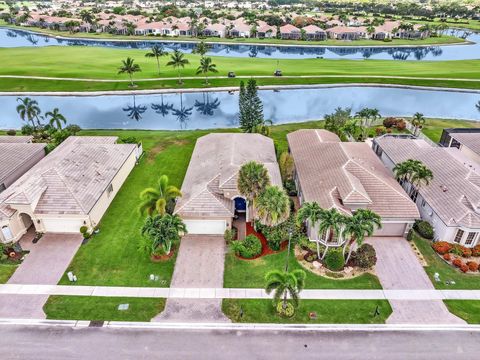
[(109, 189), (414, 194), (423, 203), (459, 236), (7, 233), (470, 238), (2, 187)]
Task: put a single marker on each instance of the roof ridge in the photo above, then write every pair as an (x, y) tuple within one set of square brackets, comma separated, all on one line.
[(196, 195), (66, 185)]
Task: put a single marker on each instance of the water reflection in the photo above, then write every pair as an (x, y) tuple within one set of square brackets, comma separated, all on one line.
[(182, 113), (135, 112), (16, 38), (162, 108), (207, 106)]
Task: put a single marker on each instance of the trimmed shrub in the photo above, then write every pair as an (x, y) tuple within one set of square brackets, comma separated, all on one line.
[(12, 132), (365, 256), (457, 262), (334, 260), (229, 235), (472, 266), (442, 247), (401, 125), (83, 229), (380, 130), (390, 122), (311, 257), (476, 251), (248, 248), (424, 229), (447, 257), (464, 268), (461, 250)]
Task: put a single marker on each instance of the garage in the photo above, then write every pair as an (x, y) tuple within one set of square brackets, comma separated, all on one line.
[(62, 225), (391, 229), (206, 227)]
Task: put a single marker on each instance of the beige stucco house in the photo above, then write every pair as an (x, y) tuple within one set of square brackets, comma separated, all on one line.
[(210, 198), (69, 188)]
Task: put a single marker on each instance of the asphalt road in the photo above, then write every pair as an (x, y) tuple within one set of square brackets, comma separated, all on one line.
[(23, 342)]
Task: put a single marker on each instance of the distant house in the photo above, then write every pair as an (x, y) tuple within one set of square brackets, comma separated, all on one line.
[(386, 31), (347, 33), (313, 32), (451, 202), (210, 198), (348, 176), (290, 32), (239, 28), (266, 31), (216, 30), (466, 140), (69, 188)]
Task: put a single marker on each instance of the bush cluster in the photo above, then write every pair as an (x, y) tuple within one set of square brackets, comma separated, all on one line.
[(390, 122), (424, 229), (289, 310), (248, 248), (275, 235), (334, 260), (311, 257), (472, 265), (365, 257), (442, 247), (476, 250)]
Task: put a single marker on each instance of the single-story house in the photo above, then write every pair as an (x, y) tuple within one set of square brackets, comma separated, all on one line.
[(17, 158), (69, 188), (210, 198), (348, 176), (451, 202), (466, 140), (347, 33), (290, 32), (215, 30), (313, 32), (266, 31)]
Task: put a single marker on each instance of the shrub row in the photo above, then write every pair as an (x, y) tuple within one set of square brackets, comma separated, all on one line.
[(443, 248), (248, 248)]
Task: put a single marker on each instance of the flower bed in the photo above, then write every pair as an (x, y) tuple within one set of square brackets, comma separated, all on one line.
[(463, 259)]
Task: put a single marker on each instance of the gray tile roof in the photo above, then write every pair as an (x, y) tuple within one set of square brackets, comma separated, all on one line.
[(71, 178), (15, 139), (15, 155), (454, 193), (342, 174), (214, 167), (470, 140)]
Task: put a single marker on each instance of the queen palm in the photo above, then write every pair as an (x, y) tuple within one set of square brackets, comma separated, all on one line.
[(206, 66), (156, 199), (252, 180), (311, 213), (285, 284), (163, 231), (55, 119), (272, 206), (421, 176), (418, 121), (330, 224), (362, 224), (157, 51), (178, 61), (29, 111), (404, 171), (129, 67)]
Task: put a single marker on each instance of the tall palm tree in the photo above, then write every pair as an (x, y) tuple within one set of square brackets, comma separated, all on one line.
[(163, 231), (206, 66), (284, 284), (29, 111), (273, 206), (178, 61), (362, 224), (253, 179), (129, 67), (310, 213), (87, 16), (418, 121), (157, 51), (422, 176), (404, 171), (368, 116), (330, 225), (56, 119), (156, 199)]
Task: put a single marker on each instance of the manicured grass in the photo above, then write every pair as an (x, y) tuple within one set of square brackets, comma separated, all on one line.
[(251, 274), (446, 272), (102, 308), (111, 257), (6, 271), (328, 311), (433, 127), (468, 310)]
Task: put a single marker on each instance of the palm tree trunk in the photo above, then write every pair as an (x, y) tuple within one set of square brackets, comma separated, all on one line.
[(131, 80), (284, 305), (318, 249), (325, 252), (179, 78), (158, 65), (349, 253)]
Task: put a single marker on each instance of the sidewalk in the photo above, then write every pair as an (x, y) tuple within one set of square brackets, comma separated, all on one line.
[(226, 293)]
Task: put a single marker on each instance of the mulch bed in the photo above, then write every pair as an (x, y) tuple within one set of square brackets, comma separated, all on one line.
[(163, 258), (265, 249)]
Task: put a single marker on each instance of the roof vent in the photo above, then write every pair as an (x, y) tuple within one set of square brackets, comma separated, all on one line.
[(444, 188)]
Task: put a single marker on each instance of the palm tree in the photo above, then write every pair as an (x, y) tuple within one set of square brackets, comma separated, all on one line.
[(418, 121), (177, 61), (285, 284), (351, 128), (129, 67), (253, 179), (404, 171), (360, 225), (310, 213), (330, 226), (163, 231), (414, 172), (29, 110), (206, 66), (422, 176), (87, 16), (273, 206), (368, 116), (157, 51), (56, 119), (201, 49), (156, 199)]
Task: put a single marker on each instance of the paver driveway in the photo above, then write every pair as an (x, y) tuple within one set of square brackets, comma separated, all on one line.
[(399, 269), (45, 264), (200, 264)]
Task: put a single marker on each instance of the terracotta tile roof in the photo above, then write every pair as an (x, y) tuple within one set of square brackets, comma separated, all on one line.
[(454, 192), (15, 155), (313, 29), (213, 169), (340, 174), (287, 29), (70, 179)]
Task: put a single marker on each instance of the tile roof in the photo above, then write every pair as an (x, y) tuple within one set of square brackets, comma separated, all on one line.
[(344, 174), (470, 140), (15, 139), (15, 155), (454, 192), (70, 179), (213, 169)]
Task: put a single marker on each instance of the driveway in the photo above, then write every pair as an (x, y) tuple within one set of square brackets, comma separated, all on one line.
[(399, 269), (45, 264), (199, 264)]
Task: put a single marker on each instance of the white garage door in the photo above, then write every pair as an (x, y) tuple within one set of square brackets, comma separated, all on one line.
[(391, 229), (206, 227), (62, 225)]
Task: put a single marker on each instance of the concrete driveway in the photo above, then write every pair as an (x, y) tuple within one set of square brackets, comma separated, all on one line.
[(200, 264), (399, 269), (45, 264)]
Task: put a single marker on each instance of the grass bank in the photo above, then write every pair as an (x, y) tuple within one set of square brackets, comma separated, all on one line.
[(433, 127), (6, 271), (327, 311), (468, 310), (102, 308)]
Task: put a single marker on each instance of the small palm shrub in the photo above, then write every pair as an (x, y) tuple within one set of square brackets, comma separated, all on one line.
[(287, 310), (365, 257), (334, 260), (248, 248), (424, 229)]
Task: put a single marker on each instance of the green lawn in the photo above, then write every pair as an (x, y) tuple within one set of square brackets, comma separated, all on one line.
[(433, 127), (468, 310), (328, 311), (102, 308), (6, 271), (446, 272), (251, 274)]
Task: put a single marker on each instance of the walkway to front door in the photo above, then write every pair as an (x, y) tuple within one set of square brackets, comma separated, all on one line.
[(199, 264)]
